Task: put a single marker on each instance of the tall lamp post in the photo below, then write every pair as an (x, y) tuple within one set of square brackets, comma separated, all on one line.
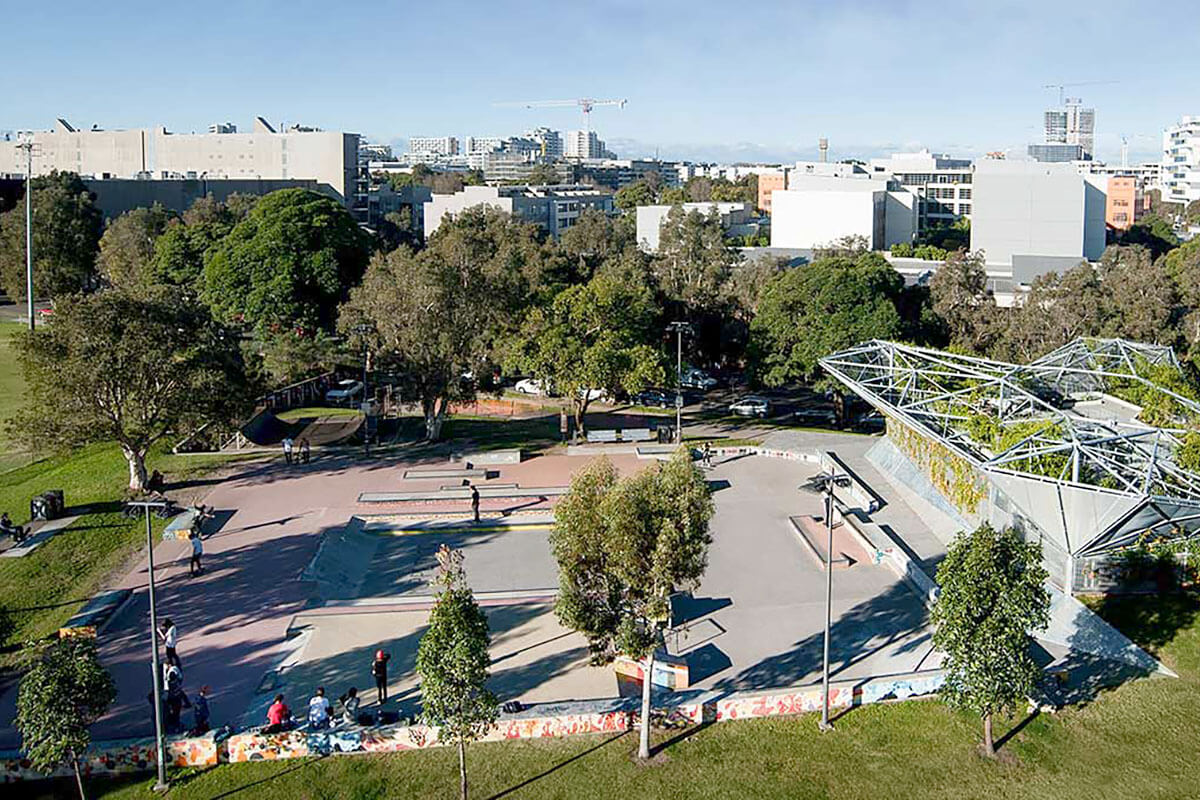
[(362, 330), (159, 748), (824, 484), (30, 147), (679, 328)]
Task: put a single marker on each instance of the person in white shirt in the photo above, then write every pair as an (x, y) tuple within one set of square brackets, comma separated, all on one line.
[(170, 637), (287, 449), (318, 709)]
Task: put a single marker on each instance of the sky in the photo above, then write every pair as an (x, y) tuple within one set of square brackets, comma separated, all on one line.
[(703, 80)]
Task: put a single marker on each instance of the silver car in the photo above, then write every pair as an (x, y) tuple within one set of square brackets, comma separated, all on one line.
[(751, 406)]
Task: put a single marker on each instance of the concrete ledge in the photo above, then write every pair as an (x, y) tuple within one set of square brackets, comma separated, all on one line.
[(431, 474), (494, 457), (461, 493), (37, 538)]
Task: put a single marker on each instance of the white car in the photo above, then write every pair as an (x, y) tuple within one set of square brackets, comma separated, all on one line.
[(530, 386), (593, 394), (344, 391), (751, 406)]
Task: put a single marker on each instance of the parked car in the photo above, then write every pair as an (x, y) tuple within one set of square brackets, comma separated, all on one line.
[(698, 379), (825, 417), (530, 386), (344, 392), (593, 394), (653, 398), (751, 406)]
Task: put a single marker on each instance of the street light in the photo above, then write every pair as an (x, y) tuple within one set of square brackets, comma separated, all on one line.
[(679, 328), (31, 149), (824, 484), (362, 329), (160, 748)]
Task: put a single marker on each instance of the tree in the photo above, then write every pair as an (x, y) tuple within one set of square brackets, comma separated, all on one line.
[(1142, 298), (58, 700), (992, 595), (66, 238), (635, 194), (1153, 232), (128, 368), (182, 249), (623, 546), (544, 175), (1057, 310), (960, 297), (805, 314), (128, 247), (593, 238), (593, 336), (287, 264), (453, 661)]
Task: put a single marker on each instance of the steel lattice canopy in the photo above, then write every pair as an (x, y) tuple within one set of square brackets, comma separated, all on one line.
[(1072, 457)]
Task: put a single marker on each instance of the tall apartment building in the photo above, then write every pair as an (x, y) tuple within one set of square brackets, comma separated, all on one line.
[(437, 145), (474, 145), (328, 157), (553, 208), (1181, 161), (550, 142), (1071, 124), (584, 144), (943, 185)]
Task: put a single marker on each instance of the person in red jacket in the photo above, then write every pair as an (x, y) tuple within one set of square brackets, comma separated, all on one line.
[(279, 716)]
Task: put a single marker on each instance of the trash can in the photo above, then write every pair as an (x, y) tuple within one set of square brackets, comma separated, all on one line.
[(47, 505)]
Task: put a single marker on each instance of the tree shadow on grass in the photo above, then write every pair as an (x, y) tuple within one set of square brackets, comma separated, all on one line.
[(1150, 621), (528, 781)]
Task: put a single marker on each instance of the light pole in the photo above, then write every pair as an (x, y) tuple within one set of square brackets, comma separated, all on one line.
[(29, 146), (823, 484), (362, 329), (160, 750), (679, 328)]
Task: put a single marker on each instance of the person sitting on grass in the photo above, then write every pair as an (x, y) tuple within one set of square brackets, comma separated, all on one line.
[(350, 704), (17, 532), (279, 717)]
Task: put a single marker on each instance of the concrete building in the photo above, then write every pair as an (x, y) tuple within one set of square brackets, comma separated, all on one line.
[(737, 219), (617, 173), (434, 145), (768, 182), (327, 157), (817, 210), (1181, 161), (1126, 202), (1035, 218), (482, 144), (1071, 124), (943, 185), (408, 201), (374, 151), (115, 196), (549, 142), (584, 144), (553, 208), (1056, 152), (514, 167)]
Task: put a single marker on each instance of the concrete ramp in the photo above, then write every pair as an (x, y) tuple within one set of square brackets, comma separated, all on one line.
[(1075, 626), (331, 429), (342, 560)]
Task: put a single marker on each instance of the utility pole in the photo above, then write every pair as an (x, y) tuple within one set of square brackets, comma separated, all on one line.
[(679, 328), (29, 146), (159, 745)]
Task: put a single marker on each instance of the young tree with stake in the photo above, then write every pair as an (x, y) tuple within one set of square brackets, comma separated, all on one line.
[(453, 661), (993, 595), (58, 700), (623, 546)]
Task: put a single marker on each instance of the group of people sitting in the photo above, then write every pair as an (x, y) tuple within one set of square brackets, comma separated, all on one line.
[(320, 712), (7, 528)]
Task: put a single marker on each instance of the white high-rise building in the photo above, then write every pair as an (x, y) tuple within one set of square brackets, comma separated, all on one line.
[(583, 144), (435, 145), (1072, 124), (549, 141), (476, 145), (1181, 161)]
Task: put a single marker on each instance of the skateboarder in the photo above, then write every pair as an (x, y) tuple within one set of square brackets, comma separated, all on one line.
[(475, 502)]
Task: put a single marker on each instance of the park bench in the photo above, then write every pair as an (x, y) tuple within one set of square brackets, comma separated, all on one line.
[(638, 435), (181, 526), (90, 620), (603, 435)]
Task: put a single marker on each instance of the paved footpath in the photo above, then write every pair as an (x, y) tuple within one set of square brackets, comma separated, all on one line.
[(233, 619)]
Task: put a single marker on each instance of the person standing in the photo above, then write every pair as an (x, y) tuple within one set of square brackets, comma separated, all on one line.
[(200, 711), (475, 502), (379, 672), (197, 551), (287, 449), (170, 636), (305, 451)]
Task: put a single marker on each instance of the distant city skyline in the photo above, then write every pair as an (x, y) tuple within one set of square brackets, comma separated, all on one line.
[(703, 83)]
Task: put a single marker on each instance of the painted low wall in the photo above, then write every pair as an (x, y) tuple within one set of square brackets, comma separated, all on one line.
[(542, 721)]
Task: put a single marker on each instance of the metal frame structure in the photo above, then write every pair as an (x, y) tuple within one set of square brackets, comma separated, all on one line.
[(1075, 462)]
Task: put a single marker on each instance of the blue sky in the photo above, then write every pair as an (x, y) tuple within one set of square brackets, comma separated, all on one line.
[(716, 79)]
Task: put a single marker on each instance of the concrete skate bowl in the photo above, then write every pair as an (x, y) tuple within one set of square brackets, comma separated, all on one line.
[(266, 428)]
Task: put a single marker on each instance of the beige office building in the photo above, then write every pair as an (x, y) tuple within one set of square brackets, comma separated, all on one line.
[(328, 157)]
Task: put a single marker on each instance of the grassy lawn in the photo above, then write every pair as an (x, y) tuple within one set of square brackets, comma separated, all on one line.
[(12, 391), (1137, 741), (498, 433), (312, 412)]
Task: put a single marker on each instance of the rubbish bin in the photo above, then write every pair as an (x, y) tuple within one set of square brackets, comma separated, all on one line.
[(47, 505)]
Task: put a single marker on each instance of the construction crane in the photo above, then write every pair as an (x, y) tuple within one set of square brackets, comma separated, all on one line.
[(585, 104), (1063, 86)]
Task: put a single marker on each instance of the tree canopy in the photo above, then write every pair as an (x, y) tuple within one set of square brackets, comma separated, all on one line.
[(128, 247), (66, 239), (288, 264), (992, 596), (129, 368)]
